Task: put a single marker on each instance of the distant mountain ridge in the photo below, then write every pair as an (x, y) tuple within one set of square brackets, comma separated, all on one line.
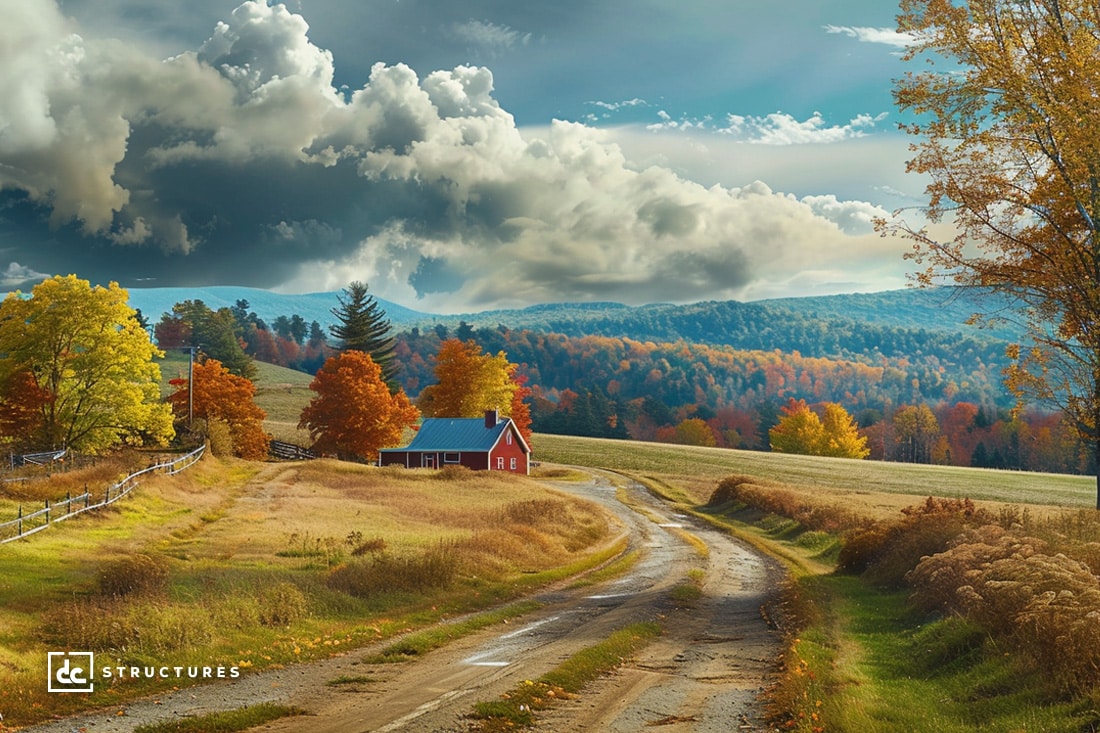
[(890, 322)]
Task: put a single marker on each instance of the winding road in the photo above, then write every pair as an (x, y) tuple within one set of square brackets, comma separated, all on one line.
[(704, 674)]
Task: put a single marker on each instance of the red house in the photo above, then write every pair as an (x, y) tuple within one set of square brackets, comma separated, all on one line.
[(489, 444)]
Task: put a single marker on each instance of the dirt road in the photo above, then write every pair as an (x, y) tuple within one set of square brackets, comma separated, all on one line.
[(703, 674)]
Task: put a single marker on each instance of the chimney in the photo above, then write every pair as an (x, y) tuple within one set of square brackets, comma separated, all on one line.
[(491, 418)]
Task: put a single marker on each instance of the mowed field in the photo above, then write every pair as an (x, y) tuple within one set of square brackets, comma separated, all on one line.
[(876, 488)]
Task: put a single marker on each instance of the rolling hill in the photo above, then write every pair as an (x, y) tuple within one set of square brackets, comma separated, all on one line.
[(889, 322)]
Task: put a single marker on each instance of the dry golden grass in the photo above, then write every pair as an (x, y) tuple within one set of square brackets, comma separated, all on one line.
[(257, 564)]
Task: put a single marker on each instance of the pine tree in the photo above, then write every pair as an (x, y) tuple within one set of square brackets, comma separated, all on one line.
[(363, 326)]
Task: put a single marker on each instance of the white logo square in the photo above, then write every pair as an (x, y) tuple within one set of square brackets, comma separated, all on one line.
[(71, 671)]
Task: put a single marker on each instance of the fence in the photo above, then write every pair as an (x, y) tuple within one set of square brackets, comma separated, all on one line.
[(289, 451), (27, 524), (36, 459)]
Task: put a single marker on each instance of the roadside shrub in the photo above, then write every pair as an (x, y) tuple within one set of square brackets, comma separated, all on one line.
[(132, 626), (1086, 552), (388, 574), (926, 529), (937, 578), (859, 548), (132, 574), (728, 490), (997, 593), (282, 604), (789, 504), (1060, 632)]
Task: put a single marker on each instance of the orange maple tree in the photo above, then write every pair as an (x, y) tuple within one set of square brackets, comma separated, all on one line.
[(520, 411), (353, 413), (224, 396), (469, 382)]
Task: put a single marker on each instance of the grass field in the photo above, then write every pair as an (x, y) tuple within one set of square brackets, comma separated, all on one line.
[(281, 392), (876, 487), (253, 565)]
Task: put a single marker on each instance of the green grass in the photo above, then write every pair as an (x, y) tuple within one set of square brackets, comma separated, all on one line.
[(224, 722), (351, 680), (874, 666), (570, 677), (859, 477), (282, 393), (419, 643)]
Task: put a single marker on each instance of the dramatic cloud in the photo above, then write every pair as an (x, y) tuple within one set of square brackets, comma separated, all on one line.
[(240, 162)]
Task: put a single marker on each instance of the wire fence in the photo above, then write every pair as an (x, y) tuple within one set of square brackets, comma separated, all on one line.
[(27, 524)]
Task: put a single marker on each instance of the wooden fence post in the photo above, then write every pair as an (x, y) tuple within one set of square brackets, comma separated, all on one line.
[(20, 527), (47, 511)]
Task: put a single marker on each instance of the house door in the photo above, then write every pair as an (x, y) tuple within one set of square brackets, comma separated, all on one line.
[(427, 460)]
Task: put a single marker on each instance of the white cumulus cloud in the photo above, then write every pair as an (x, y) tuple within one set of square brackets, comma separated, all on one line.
[(864, 34), (241, 158)]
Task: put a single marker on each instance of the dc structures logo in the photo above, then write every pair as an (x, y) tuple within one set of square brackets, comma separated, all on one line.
[(71, 672)]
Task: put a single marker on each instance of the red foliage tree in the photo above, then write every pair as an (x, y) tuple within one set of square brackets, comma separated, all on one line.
[(353, 413), (21, 405)]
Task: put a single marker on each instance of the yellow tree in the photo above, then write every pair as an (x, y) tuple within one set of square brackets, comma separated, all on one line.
[(800, 430), (83, 351), (1008, 131), (915, 431), (353, 413), (695, 431), (468, 382), (842, 438)]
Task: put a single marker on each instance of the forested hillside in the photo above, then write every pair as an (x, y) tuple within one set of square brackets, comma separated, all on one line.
[(894, 324), (921, 383)]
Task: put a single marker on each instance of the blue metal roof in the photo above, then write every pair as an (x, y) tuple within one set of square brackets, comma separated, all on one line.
[(454, 434)]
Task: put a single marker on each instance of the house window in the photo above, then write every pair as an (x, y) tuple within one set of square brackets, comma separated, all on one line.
[(452, 458), (513, 464), (500, 463), (508, 437)]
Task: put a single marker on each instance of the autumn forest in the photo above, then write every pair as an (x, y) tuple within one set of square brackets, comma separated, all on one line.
[(723, 374)]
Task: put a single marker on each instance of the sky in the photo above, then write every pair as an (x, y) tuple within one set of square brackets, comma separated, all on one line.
[(456, 156)]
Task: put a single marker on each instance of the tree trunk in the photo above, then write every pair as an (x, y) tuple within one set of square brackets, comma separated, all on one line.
[(1096, 457)]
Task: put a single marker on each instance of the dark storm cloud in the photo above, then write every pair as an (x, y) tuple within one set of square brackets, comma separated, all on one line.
[(242, 162)]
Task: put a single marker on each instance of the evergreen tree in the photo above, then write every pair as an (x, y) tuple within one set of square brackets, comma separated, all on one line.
[(363, 326)]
